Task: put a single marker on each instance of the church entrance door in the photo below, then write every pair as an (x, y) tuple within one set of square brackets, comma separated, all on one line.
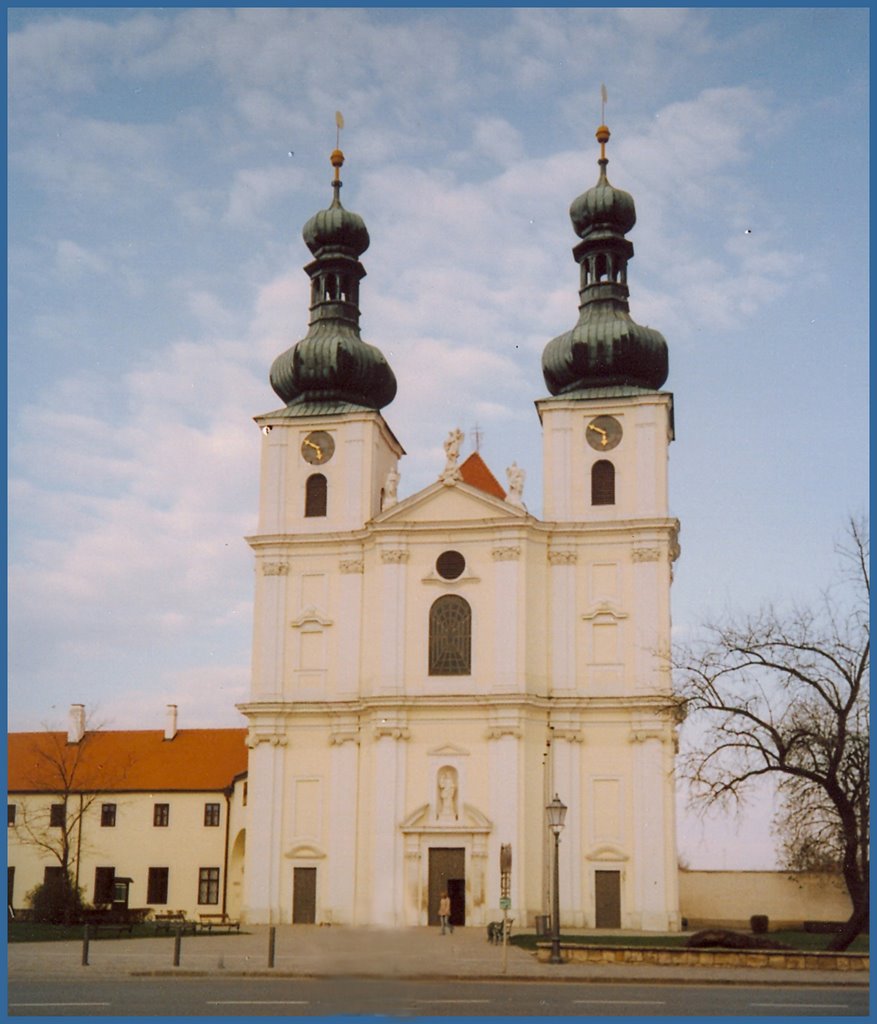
[(304, 895), (607, 892), (447, 873)]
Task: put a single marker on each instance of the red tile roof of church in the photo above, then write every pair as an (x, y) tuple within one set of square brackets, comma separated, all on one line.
[(127, 761), (475, 473)]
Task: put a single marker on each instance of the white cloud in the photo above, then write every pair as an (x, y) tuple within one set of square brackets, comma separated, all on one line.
[(498, 140), (253, 190), (74, 260)]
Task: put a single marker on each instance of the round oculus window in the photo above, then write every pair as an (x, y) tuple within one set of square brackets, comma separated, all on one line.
[(450, 564)]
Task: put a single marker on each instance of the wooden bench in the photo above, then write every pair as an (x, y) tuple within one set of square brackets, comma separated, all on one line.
[(118, 921), (171, 920), (223, 922)]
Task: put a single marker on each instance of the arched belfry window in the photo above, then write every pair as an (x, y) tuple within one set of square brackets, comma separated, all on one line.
[(603, 483), (316, 491), (450, 637)]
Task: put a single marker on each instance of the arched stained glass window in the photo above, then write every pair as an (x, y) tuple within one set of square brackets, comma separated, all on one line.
[(450, 637), (603, 483), (315, 495)]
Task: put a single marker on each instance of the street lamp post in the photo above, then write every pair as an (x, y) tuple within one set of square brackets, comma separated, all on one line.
[(556, 813)]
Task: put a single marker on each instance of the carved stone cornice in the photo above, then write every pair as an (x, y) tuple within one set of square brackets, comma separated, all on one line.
[(394, 556), (646, 733), (393, 725), (562, 557), (568, 733), (351, 565), (275, 568), (496, 732), (276, 739), (504, 723), (506, 554), (337, 737)]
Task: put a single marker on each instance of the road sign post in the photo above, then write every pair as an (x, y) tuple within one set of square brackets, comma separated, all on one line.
[(505, 893)]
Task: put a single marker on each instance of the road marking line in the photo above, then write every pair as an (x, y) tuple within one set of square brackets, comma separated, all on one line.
[(804, 1006), (258, 1002), (60, 1004), (618, 1002), (449, 1001)]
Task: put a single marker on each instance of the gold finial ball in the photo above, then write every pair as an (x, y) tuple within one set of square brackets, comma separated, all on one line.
[(337, 158), (602, 134)]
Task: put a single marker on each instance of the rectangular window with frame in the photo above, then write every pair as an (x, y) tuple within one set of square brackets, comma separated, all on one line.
[(58, 816), (53, 876), (103, 885), (161, 815), (211, 815), (208, 885), (10, 814), (156, 885), (108, 815)]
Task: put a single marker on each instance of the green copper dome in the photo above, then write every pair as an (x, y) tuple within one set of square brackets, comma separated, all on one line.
[(336, 229), (606, 348), (332, 364)]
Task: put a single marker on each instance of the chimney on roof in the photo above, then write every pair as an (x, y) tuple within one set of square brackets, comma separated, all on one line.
[(76, 726), (170, 728)]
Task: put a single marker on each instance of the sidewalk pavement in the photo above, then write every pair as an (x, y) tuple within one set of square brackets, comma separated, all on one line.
[(315, 951)]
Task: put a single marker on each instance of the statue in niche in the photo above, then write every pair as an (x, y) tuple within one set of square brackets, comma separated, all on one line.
[(447, 793)]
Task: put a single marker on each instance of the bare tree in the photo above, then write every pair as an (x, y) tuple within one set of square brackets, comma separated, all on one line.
[(786, 696), (63, 779)]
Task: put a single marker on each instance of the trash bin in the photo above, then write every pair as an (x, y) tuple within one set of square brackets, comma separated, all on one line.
[(543, 925)]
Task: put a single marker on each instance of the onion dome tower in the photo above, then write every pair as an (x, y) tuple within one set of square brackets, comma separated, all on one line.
[(332, 369), (606, 348)]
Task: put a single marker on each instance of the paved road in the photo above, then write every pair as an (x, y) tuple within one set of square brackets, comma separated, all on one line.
[(250, 997)]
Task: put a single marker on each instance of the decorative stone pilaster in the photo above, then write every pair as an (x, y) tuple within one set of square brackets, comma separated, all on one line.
[(646, 554), (275, 568), (350, 566), (562, 637), (392, 618), (387, 810), (479, 871), (511, 553)]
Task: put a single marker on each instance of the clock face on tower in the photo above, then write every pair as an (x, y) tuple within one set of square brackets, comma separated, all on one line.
[(603, 433), (318, 447)]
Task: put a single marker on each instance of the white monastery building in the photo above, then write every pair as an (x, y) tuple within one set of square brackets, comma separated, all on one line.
[(429, 671)]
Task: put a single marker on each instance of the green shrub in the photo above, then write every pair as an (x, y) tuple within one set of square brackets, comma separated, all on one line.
[(56, 901)]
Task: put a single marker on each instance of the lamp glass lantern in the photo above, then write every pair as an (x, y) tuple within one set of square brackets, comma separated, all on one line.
[(556, 812)]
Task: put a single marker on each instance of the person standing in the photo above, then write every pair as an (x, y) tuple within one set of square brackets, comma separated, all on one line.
[(445, 912)]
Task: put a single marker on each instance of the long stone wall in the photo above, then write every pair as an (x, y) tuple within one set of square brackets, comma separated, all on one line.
[(779, 959), (788, 898)]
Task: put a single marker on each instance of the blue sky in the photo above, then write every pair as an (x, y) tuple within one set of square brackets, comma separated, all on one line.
[(161, 165)]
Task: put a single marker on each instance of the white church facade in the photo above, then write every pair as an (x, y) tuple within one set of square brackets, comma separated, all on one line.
[(428, 671)]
